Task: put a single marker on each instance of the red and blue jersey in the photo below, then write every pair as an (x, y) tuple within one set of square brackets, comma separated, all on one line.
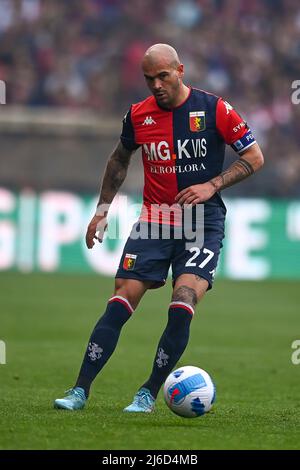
[(182, 146)]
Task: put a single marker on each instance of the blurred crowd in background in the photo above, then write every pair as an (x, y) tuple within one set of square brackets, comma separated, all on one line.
[(87, 53)]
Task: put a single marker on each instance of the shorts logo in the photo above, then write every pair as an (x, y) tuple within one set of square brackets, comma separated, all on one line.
[(197, 121), (129, 262)]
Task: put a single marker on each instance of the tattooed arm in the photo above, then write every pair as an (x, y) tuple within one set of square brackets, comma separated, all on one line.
[(250, 161), (115, 174)]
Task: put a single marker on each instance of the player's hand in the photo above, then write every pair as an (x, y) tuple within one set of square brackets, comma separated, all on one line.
[(195, 194), (95, 230)]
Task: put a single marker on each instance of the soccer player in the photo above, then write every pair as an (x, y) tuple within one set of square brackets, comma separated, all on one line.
[(183, 132)]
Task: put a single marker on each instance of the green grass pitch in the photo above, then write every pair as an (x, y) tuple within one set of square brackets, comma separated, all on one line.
[(241, 334)]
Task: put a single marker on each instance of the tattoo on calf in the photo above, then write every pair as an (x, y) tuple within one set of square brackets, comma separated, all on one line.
[(185, 294)]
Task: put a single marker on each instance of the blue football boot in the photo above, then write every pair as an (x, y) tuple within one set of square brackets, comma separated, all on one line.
[(75, 399), (143, 402)]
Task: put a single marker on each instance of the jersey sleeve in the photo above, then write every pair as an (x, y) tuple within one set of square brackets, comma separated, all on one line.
[(233, 128), (127, 136)]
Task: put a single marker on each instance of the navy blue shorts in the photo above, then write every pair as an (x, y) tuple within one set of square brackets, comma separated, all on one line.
[(150, 260)]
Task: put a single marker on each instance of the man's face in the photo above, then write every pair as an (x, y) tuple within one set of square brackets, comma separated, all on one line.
[(163, 81)]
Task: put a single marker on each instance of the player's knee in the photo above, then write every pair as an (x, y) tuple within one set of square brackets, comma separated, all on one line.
[(123, 289), (185, 294)]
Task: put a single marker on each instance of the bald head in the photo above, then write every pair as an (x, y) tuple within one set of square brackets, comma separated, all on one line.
[(163, 73), (161, 54)]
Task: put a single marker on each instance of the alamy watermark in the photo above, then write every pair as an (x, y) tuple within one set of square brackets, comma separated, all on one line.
[(2, 352), (2, 92), (295, 358), (296, 94), (159, 222)]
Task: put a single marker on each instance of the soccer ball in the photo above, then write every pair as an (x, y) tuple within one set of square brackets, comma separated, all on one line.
[(189, 392)]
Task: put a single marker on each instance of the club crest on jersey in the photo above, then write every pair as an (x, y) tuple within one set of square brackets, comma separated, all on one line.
[(129, 262), (197, 121)]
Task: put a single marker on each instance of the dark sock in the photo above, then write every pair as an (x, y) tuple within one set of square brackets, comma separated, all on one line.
[(103, 341), (171, 345)]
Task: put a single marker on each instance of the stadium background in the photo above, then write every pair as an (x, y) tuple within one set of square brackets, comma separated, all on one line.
[(71, 69)]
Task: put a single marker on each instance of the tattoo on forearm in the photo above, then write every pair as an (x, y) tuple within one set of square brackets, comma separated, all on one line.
[(238, 171), (115, 173)]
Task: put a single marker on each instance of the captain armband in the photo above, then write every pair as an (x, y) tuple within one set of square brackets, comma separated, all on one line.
[(244, 142)]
